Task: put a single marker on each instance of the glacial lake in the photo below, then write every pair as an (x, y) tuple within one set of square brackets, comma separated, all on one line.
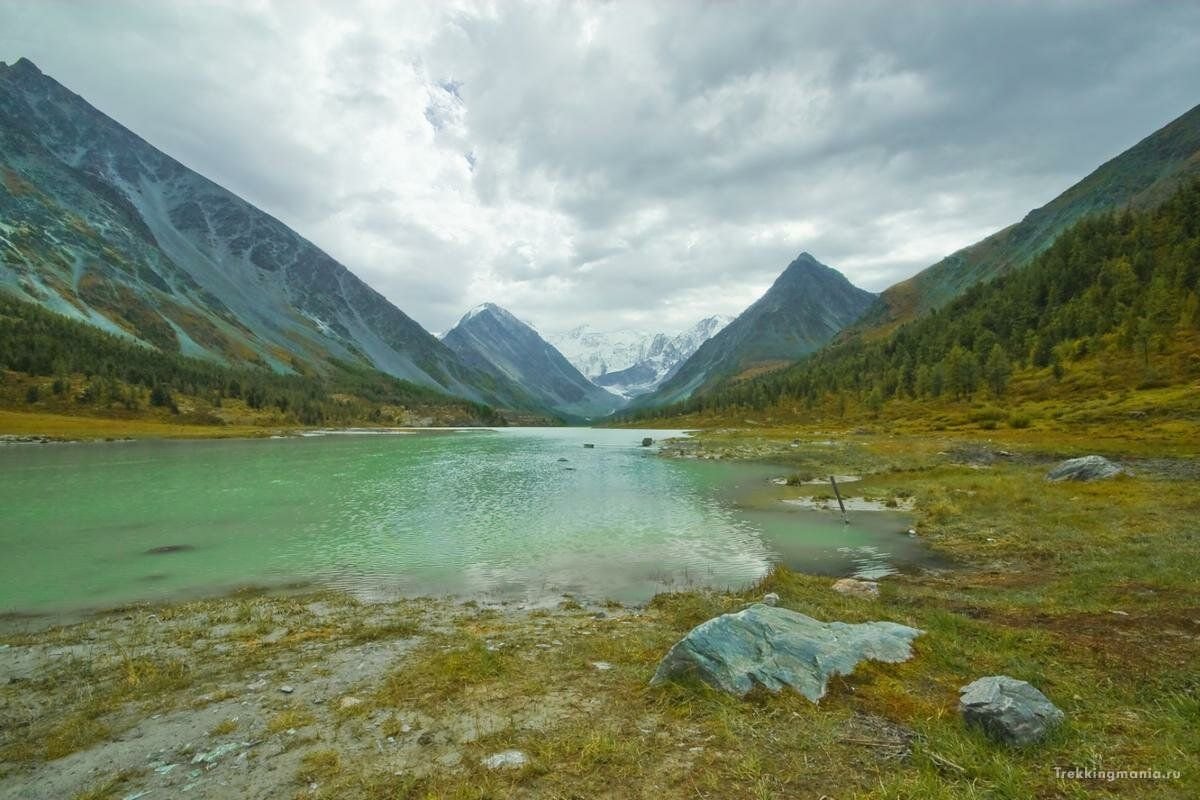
[(524, 515)]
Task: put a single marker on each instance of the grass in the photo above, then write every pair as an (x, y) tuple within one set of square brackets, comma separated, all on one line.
[(224, 727), (292, 718), (71, 427)]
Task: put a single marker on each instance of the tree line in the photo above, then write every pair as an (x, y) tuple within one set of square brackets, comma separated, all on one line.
[(120, 372)]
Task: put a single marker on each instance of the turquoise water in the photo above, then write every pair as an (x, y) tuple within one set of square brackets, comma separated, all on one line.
[(519, 514)]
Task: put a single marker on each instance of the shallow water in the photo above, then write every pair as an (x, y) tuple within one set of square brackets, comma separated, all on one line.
[(499, 514)]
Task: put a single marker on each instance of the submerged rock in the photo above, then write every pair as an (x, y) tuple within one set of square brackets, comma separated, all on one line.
[(169, 548), (1087, 468), (775, 647), (856, 587), (647, 442), (1008, 710)]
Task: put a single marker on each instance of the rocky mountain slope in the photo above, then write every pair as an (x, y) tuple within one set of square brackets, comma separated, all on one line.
[(492, 340), (632, 363), (805, 307), (97, 224)]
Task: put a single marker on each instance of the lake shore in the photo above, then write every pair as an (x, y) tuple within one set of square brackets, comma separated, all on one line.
[(1084, 589)]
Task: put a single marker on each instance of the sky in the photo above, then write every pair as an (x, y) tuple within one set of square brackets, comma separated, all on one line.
[(625, 164)]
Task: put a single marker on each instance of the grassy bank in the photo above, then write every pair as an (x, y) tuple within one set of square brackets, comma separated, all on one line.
[(1086, 590), (77, 428)]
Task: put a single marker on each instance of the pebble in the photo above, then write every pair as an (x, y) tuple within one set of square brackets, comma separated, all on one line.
[(349, 702), (771, 599), (603, 666), (287, 689), (507, 759)]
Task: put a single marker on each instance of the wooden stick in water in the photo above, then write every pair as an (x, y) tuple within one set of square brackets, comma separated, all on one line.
[(838, 494)]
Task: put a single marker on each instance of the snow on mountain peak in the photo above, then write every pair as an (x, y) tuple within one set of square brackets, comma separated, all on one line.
[(631, 362)]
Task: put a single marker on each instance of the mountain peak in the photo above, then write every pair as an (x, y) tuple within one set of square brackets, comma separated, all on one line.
[(805, 261), (492, 310), (22, 68)]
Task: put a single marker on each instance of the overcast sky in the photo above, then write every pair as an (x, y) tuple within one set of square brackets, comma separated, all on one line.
[(634, 164)]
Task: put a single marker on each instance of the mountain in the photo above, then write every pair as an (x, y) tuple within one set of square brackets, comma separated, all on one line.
[(1101, 328), (1139, 178), (632, 363), (97, 224), (805, 307), (492, 340)]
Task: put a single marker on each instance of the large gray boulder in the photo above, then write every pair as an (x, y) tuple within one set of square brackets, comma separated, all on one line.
[(1008, 710), (1087, 468), (774, 647)]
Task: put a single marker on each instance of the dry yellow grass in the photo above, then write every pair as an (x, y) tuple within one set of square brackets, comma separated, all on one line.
[(61, 426)]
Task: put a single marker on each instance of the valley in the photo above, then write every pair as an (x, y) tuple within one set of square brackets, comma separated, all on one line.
[(268, 536)]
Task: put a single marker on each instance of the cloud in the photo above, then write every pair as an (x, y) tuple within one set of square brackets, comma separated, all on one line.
[(625, 163)]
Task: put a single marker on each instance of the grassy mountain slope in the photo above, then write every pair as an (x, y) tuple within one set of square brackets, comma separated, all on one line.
[(1139, 178), (53, 367)]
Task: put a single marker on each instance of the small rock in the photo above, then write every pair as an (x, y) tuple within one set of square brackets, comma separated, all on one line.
[(589, 446), (856, 588), (507, 759), (562, 460), (599, 615), (349, 702), (1088, 468), (426, 737), (276, 636), (770, 599), (287, 689), (647, 442), (1008, 710), (257, 686), (217, 753), (603, 666)]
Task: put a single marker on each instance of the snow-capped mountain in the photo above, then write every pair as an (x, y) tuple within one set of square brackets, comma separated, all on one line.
[(629, 362)]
